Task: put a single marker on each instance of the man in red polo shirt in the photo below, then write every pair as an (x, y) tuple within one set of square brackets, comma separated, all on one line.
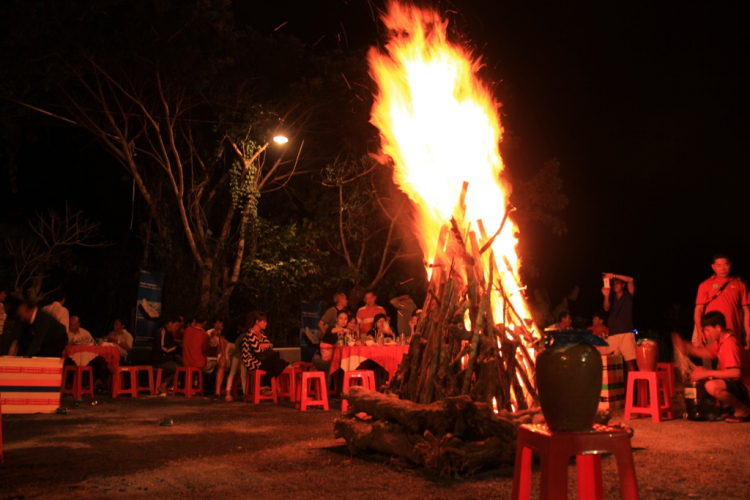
[(196, 345), (366, 314), (730, 384), (725, 294)]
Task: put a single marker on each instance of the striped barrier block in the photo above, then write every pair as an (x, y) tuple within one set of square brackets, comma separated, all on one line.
[(613, 383), (30, 385)]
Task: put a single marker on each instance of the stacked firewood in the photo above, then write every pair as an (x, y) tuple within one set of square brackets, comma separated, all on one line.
[(437, 410), (489, 359)]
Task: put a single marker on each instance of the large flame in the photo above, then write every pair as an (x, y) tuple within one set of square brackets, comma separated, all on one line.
[(439, 123)]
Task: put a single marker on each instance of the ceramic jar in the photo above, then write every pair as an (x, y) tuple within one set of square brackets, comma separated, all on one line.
[(569, 382), (647, 355)]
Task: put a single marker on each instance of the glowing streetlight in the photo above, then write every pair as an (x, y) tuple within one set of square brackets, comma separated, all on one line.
[(280, 139)]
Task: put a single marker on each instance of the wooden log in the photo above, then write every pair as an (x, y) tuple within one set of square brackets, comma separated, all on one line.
[(382, 436), (457, 415), (416, 348)]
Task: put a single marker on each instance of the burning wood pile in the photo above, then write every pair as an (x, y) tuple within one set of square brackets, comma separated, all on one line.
[(463, 363), (468, 379)]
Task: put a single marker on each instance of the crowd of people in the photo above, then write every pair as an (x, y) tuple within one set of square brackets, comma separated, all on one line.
[(721, 315)]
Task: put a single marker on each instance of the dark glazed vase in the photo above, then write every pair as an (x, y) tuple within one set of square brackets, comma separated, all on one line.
[(647, 355), (569, 382)]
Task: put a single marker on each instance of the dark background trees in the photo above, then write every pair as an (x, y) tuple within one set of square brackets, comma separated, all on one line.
[(637, 109)]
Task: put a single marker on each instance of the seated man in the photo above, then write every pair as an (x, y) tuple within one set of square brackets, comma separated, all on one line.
[(564, 322), (121, 338), (597, 327), (196, 345), (730, 384), (78, 335)]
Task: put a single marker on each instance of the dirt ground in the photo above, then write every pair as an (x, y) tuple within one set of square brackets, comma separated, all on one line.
[(117, 449)]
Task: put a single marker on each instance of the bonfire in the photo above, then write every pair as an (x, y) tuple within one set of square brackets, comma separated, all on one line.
[(472, 359)]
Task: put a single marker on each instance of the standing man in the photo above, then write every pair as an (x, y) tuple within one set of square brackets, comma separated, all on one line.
[(328, 320), (619, 304), (367, 313), (58, 310), (725, 294), (404, 309), (46, 337)]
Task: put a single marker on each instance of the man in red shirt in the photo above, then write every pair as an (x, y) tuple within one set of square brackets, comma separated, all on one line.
[(366, 314), (730, 384), (196, 345), (727, 295), (597, 327)]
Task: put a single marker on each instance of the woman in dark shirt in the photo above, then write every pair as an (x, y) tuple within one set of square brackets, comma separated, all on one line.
[(322, 358), (163, 353)]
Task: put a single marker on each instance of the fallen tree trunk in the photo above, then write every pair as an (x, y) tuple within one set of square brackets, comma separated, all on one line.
[(452, 437), (459, 416)]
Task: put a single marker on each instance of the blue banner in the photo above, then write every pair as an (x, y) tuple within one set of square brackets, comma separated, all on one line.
[(148, 308), (309, 320)]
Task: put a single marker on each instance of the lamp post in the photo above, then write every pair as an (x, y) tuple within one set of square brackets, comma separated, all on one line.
[(278, 139)]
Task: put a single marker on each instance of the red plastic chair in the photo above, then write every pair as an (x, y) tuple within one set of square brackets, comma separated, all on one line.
[(648, 403), (311, 390), (286, 383), (365, 378), (253, 387), (76, 388), (150, 371), (1, 427), (669, 370), (118, 382), (556, 448), (188, 373)]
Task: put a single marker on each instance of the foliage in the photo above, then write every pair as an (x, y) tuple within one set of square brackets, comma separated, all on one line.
[(31, 254), (541, 198), (286, 268)]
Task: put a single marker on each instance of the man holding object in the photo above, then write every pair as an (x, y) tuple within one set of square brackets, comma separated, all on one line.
[(725, 294), (730, 384)]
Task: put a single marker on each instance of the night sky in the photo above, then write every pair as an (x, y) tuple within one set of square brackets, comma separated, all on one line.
[(645, 105)]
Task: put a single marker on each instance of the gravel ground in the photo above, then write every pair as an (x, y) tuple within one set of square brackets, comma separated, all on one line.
[(117, 449)]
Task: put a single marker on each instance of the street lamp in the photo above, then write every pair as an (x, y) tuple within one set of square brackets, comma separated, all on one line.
[(280, 139)]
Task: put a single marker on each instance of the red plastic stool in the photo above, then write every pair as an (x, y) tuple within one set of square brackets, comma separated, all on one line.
[(365, 378), (118, 382), (187, 389), (253, 387), (286, 383), (236, 385), (150, 371), (555, 448), (308, 382), (669, 370), (1, 427), (77, 389), (657, 385)]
